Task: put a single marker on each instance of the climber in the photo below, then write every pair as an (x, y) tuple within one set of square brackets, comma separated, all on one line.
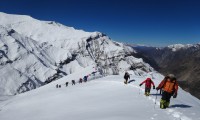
[(85, 78), (148, 82), (66, 84), (80, 80), (73, 82), (126, 77), (169, 87)]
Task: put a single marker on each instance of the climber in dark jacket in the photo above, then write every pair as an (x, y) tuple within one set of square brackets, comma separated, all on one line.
[(66, 84), (73, 82), (126, 77)]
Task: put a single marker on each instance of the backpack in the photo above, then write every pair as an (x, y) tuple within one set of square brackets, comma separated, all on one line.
[(169, 86), (148, 83)]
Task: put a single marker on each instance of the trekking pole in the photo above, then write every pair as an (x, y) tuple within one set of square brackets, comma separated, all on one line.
[(139, 90), (155, 99)]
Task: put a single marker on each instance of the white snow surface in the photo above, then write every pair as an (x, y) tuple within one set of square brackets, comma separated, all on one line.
[(105, 98)]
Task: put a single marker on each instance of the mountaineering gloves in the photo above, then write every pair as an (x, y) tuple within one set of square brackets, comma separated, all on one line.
[(175, 95), (157, 88)]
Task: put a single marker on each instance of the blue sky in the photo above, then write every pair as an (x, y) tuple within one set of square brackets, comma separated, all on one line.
[(150, 22)]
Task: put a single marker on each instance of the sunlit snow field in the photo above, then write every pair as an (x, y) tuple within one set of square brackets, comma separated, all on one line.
[(106, 98)]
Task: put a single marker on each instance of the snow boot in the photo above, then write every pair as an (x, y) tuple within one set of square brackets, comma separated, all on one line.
[(167, 104), (125, 81), (163, 104), (146, 93)]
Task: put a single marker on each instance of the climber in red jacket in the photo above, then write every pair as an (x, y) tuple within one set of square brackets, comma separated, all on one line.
[(148, 82)]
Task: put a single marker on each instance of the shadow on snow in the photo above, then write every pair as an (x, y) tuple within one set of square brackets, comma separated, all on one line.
[(156, 94), (130, 81), (180, 106)]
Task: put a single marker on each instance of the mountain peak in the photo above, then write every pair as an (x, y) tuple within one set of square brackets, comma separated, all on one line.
[(176, 47)]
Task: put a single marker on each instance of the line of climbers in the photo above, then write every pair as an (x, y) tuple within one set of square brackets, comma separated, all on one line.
[(73, 82), (168, 87), (81, 80)]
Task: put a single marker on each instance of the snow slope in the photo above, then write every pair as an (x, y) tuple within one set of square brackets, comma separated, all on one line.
[(105, 98)]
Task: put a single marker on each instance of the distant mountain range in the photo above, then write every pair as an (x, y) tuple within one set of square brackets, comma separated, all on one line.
[(181, 60)]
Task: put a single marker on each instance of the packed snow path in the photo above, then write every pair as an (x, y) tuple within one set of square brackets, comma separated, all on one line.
[(102, 99)]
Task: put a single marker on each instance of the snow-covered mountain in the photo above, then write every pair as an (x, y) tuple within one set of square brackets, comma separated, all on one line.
[(34, 52)]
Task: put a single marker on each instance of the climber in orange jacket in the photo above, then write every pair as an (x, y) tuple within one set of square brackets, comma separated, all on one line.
[(169, 87)]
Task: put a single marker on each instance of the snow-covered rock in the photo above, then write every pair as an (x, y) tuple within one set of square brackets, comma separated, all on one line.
[(34, 52), (176, 47)]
